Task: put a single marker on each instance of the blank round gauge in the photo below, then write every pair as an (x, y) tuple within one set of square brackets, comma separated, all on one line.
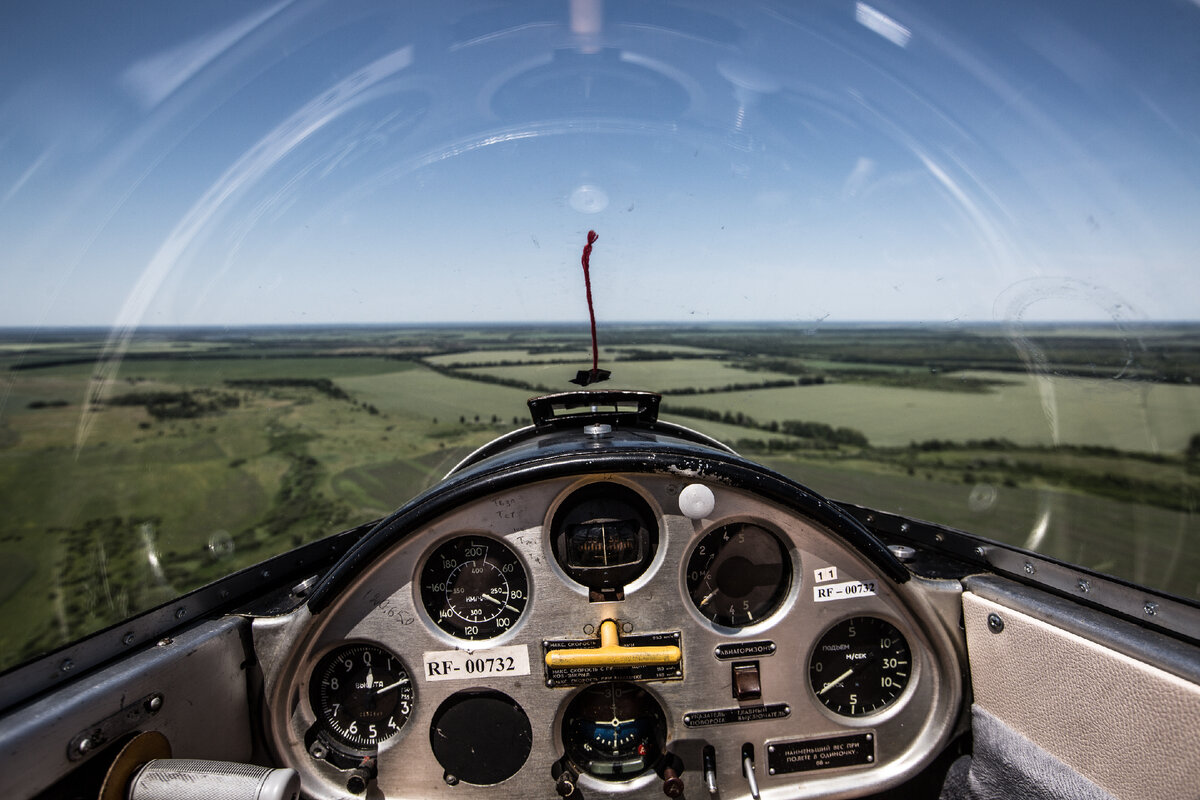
[(481, 737)]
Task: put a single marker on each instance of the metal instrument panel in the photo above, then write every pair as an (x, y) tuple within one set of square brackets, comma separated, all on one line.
[(796, 733)]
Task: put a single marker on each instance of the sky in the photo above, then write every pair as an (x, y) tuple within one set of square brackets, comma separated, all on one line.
[(377, 162)]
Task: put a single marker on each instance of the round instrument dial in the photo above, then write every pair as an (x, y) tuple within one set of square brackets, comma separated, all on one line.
[(474, 587), (361, 694), (614, 731), (860, 666), (604, 536), (738, 574)]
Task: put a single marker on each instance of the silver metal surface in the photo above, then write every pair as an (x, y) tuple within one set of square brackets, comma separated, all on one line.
[(207, 715), (190, 779), (129, 718), (383, 606), (751, 779)]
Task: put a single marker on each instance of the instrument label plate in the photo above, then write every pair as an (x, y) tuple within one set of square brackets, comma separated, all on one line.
[(847, 590), (724, 716), (461, 665), (581, 676), (807, 755), (744, 650)]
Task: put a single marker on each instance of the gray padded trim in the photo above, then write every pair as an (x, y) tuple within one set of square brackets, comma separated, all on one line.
[(1126, 725), (1007, 765)]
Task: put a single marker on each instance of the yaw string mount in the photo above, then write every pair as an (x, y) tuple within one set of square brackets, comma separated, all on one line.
[(585, 377)]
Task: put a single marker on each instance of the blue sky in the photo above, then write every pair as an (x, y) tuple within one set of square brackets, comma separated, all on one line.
[(290, 162)]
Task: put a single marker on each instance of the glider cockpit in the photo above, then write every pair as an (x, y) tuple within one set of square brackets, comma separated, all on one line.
[(603, 604)]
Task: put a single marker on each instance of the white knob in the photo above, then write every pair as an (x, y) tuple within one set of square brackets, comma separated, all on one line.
[(696, 501)]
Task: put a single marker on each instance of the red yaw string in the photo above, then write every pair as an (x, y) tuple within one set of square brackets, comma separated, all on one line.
[(587, 282)]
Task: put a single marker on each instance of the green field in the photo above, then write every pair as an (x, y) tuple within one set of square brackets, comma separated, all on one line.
[(1090, 531), (1133, 416), (178, 476), (656, 376), (513, 356)]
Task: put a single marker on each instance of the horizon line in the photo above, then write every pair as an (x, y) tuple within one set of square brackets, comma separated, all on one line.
[(807, 324)]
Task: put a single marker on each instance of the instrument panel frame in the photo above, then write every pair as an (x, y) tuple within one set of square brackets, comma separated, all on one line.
[(929, 709)]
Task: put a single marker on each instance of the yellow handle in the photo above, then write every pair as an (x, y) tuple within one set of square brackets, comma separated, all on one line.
[(610, 653)]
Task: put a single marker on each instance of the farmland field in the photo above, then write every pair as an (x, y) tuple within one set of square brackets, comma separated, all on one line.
[(657, 376), (1032, 411), (207, 451)]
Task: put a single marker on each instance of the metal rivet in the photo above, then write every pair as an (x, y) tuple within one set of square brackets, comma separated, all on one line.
[(939, 537), (1151, 608), (1084, 585), (995, 624), (318, 751), (127, 639), (1030, 569), (266, 573), (180, 612), (870, 519), (771, 749), (451, 780), (84, 746), (66, 666), (904, 527), (302, 588), (154, 704), (165, 641), (980, 552)]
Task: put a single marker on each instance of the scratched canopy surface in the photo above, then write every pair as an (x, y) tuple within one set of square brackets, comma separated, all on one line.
[(935, 259)]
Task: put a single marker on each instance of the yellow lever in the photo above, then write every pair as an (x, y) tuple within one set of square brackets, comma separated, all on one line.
[(610, 653)]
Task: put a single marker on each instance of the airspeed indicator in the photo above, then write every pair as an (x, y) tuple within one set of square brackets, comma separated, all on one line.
[(474, 587)]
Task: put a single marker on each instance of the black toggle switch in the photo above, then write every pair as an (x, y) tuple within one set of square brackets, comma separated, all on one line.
[(747, 682)]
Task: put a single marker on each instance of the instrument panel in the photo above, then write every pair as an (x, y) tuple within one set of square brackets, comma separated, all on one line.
[(611, 635)]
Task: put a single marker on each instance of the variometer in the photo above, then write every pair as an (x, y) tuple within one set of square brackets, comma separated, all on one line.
[(860, 666)]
